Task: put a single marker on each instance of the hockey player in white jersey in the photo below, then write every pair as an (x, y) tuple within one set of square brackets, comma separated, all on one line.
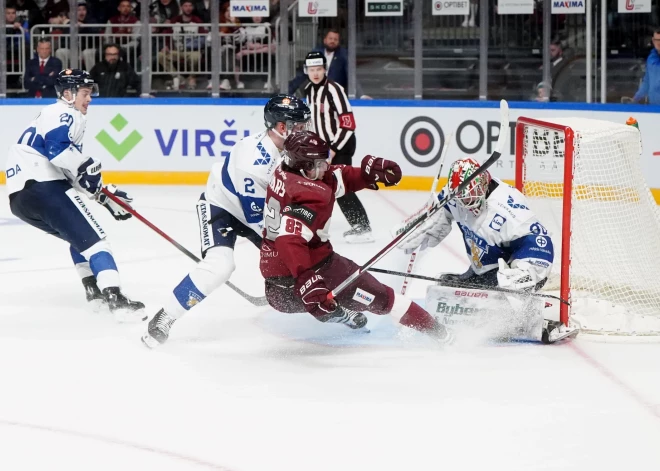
[(47, 174), (231, 206), (507, 245)]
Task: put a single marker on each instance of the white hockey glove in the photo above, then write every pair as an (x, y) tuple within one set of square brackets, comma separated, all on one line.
[(429, 234), (89, 179), (520, 276), (119, 213)]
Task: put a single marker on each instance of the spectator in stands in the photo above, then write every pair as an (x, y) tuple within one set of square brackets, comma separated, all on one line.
[(255, 41), (114, 75), (186, 45), (88, 42), (202, 10), (228, 39), (337, 59), (650, 86), (13, 31), (41, 72), (164, 10), (123, 29), (559, 60), (56, 12), (28, 14)]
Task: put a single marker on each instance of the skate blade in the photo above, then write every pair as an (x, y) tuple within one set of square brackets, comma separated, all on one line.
[(128, 316), (359, 239), (566, 335), (149, 341), (96, 305)]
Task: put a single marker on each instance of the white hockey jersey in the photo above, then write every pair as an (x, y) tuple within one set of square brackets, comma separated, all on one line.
[(49, 149), (238, 185), (504, 228)]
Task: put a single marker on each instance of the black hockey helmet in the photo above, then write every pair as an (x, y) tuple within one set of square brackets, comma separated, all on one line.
[(286, 109), (74, 79), (315, 58), (305, 151)]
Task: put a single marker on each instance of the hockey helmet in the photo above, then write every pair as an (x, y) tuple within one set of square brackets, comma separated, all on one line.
[(74, 79), (306, 152), (289, 110), (475, 194), (315, 58)]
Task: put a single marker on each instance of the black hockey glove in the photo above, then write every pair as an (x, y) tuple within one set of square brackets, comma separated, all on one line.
[(119, 213), (89, 179)]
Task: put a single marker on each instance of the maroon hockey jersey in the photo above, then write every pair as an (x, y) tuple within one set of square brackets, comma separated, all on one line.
[(297, 218)]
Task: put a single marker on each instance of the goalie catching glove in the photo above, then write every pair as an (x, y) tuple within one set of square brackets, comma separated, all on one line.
[(377, 170), (119, 213), (521, 276), (429, 234)]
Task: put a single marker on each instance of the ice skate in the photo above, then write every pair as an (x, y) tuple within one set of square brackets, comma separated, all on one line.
[(158, 330), (442, 334), (352, 319), (93, 293), (359, 235), (123, 308), (554, 331)]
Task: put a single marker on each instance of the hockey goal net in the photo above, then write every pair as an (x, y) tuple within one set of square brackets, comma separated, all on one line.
[(584, 180)]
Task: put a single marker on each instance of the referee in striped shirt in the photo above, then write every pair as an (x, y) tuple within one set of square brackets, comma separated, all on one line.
[(334, 122)]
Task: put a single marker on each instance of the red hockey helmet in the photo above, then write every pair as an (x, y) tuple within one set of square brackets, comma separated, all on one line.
[(475, 194), (306, 152)]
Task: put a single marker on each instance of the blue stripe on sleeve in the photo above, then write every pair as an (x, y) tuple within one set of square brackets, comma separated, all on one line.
[(532, 246), (57, 141)]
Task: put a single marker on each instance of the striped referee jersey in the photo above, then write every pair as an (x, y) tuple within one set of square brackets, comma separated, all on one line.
[(331, 113)]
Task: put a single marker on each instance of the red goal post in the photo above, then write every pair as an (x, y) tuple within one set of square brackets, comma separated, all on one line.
[(584, 180)]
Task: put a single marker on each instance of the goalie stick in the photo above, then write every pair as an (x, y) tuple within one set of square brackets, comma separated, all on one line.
[(414, 256), (501, 143), (257, 301), (459, 284)]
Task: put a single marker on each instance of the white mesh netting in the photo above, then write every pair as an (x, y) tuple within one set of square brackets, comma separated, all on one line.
[(615, 233)]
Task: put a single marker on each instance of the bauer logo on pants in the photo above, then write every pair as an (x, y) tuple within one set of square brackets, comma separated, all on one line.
[(363, 297), (421, 141)]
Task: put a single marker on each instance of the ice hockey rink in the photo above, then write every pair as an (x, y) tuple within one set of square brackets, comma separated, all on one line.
[(244, 388)]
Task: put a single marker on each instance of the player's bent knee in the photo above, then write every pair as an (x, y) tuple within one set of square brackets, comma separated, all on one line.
[(400, 306), (214, 270)]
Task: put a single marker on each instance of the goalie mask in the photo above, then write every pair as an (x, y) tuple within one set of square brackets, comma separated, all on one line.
[(307, 153), (473, 197)]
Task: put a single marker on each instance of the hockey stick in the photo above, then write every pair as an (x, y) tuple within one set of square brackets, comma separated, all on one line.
[(415, 253), (257, 301), (501, 143), (459, 284)]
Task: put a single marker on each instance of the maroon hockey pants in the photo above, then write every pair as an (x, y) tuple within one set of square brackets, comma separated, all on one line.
[(364, 294)]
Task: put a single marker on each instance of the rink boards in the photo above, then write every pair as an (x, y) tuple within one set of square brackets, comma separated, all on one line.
[(176, 141)]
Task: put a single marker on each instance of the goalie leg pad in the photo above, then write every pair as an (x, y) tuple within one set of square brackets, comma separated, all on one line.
[(501, 315)]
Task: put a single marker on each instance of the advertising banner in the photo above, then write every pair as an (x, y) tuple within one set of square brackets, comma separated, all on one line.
[(515, 7), (454, 7), (634, 6), (383, 8), (568, 6), (249, 8), (317, 8), (178, 139)]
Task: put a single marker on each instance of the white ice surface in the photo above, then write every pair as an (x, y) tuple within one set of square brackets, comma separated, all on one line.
[(240, 388)]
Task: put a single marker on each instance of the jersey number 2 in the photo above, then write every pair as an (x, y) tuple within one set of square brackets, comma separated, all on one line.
[(249, 185), (272, 218)]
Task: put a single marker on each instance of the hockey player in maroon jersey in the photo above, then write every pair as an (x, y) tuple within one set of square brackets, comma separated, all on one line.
[(297, 259)]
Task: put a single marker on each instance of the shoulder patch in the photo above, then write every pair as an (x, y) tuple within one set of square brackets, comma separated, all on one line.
[(300, 212)]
